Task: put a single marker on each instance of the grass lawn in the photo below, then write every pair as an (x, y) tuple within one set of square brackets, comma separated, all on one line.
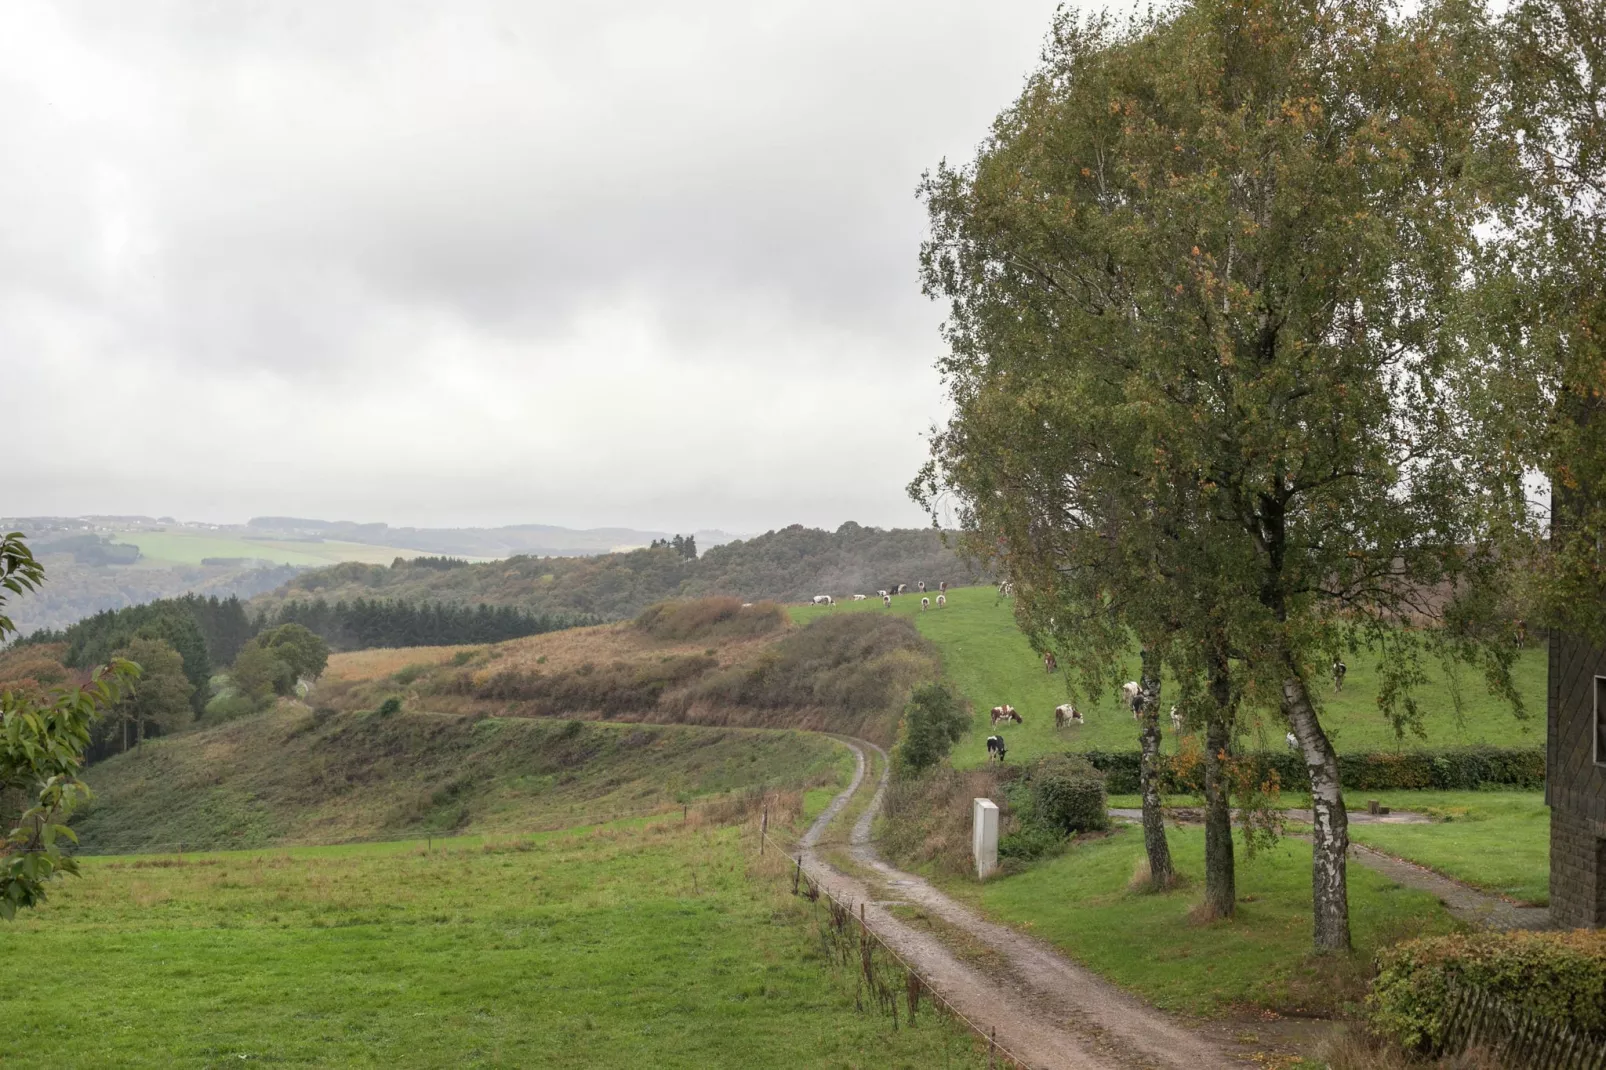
[(1495, 840), (653, 945), (1149, 944), (988, 659)]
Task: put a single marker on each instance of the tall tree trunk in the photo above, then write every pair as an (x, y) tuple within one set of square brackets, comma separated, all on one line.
[(1221, 889), (1161, 873), (1330, 825), (139, 734), (125, 735)]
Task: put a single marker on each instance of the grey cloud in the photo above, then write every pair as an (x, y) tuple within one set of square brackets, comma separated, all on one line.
[(346, 196)]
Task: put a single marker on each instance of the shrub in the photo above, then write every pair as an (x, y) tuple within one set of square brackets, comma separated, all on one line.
[(704, 617), (1445, 769), (933, 721), (1560, 976), (1067, 795), (389, 706)]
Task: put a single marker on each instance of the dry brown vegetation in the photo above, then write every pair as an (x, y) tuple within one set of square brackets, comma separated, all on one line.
[(708, 661), (927, 818)]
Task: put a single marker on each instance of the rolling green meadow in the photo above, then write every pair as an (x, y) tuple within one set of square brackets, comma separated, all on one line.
[(643, 944), (985, 655), (165, 548)]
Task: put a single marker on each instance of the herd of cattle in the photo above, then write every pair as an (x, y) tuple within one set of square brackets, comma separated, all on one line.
[(1066, 715), (887, 593)]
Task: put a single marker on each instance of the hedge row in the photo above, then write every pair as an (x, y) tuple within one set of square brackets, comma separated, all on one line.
[(1449, 769), (1559, 976)]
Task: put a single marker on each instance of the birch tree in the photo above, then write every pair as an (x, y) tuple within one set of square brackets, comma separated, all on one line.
[(1202, 283)]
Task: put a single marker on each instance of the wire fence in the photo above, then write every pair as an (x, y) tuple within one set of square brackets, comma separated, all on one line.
[(885, 979)]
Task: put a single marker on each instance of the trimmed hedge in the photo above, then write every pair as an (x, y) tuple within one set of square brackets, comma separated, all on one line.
[(1448, 769), (1555, 975)]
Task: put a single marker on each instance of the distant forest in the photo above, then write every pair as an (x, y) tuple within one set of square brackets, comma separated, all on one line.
[(365, 623), (788, 565)]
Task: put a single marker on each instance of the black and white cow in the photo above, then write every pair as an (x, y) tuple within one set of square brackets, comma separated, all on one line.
[(1339, 669), (995, 745)]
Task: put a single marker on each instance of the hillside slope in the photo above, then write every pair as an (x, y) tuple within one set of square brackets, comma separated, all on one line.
[(707, 662), (786, 565), (990, 661), (294, 777)]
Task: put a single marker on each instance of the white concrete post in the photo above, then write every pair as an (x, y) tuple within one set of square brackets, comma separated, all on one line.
[(984, 835)]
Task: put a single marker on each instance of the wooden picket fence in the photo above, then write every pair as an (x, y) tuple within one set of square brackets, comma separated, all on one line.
[(1516, 1037)]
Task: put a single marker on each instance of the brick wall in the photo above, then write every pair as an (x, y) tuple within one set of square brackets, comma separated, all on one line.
[(1577, 871)]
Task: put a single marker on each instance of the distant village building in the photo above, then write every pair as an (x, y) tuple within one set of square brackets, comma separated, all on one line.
[(1575, 783)]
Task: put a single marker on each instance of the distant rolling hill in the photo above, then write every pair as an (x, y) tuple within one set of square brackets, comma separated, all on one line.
[(788, 565)]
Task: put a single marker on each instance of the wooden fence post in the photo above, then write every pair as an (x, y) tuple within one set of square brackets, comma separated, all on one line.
[(764, 829), (797, 874)]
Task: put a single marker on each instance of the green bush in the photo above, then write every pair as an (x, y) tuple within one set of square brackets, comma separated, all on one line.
[(389, 706), (1559, 976), (1067, 794), (933, 721), (1445, 769)]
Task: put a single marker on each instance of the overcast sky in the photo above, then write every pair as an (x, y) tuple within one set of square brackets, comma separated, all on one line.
[(446, 263)]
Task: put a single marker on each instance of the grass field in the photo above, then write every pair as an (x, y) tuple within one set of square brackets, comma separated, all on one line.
[(292, 777), (165, 548), (988, 659), (1152, 945), (1495, 840), (653, 945)]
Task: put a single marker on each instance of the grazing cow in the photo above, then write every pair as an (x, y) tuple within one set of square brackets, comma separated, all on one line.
[(943, 587), (1293, 743), (881, 594), (1339, 669), (747, 605), (902, 587), (1522, 632), (1005, 714), (995, 745), (1132, 695), (1006, 589), (822, 600), (886, 600), (925, 604), (922, 586), (858, 598), (1066, 714), (1050, 665), (942, 600), (1176, 721)]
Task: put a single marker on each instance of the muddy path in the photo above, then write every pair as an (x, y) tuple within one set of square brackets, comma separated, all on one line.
[(1048, 1011)]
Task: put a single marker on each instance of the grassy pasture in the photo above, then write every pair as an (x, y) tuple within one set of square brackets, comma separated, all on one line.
[(648, 945), (1153, 945), (165, 548), (988, 659)]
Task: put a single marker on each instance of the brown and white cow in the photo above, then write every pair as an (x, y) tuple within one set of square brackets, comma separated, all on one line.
[(1006, 714), (1067, 714)]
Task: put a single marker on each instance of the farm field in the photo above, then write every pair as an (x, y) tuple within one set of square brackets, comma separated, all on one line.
[(1150, 943), (653, 944), (989, 660), (290, 776), (165, 548)]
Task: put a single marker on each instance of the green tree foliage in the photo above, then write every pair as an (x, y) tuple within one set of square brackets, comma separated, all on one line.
[(1540, 389), (42, 742), (92, 641), (304, 654), (933, 721), (365, 623), (257, 675), (161, 698), (1202, 283), (786, 566)]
